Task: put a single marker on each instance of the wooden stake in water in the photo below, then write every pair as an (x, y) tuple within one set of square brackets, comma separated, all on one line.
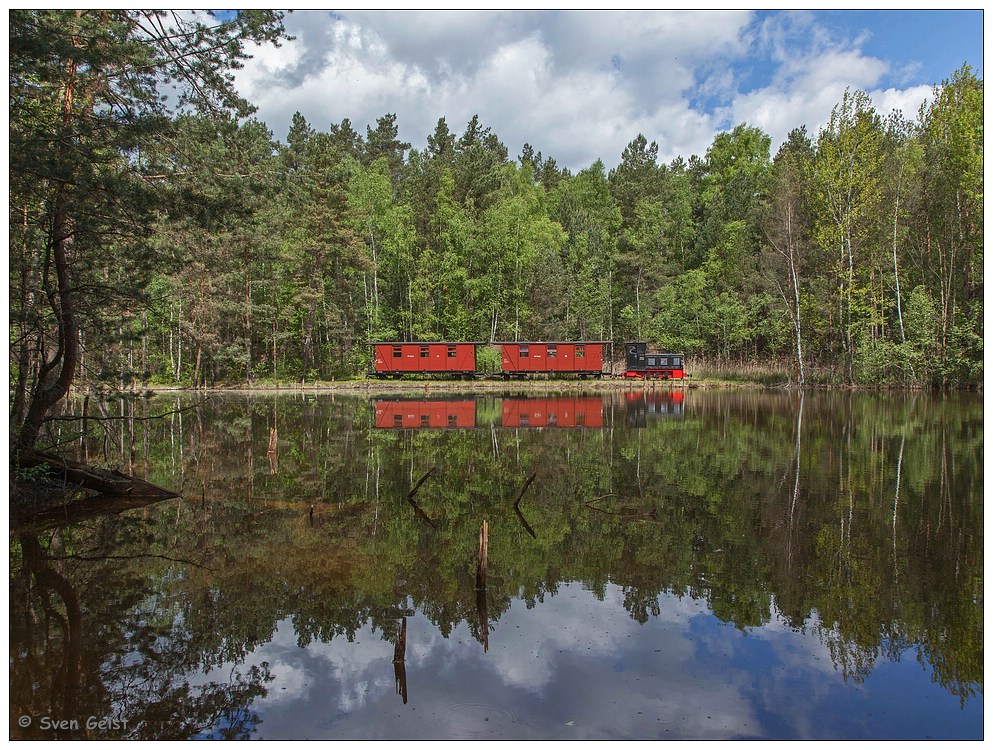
[(484, 623), (399, 661)]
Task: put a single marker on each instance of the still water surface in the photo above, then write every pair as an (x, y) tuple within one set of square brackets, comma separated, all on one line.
[(661, 564)]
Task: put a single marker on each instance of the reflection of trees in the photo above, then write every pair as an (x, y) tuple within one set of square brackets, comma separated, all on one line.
[(761, 504), (85, 642)]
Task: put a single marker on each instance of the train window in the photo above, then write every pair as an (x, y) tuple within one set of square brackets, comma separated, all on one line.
[(552, 351), (651, 361), (677, 362), (451, 352), (524, 420), (580, 350), (398, 420), (663, 361), (424, 351), (397, 351), (524, 351), (425, 420), (453, 420)]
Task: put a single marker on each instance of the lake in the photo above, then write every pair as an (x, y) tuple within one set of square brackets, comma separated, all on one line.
[(580, 564)]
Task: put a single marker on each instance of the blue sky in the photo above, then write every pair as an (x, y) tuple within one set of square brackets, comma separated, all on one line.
[(579, 85)]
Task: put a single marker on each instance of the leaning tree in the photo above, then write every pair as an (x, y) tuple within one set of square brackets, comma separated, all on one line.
[(93, 94)]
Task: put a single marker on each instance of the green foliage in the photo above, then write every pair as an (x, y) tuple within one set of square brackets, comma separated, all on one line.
[(488, 359), (204, 252)]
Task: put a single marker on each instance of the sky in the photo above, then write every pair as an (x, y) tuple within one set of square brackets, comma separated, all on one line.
[(580, 85)]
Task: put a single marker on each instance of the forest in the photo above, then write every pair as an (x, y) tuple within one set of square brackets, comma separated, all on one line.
[(161, 235)]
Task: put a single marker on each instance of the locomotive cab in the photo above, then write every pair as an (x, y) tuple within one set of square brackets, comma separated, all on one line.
[(640, 363), (637, 353)]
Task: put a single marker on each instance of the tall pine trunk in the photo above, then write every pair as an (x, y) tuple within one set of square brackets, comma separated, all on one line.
[(55, 375)]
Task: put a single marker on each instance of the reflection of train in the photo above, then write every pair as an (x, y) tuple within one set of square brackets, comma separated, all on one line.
[(519, 359), (574, 411), (553, 412), (414, 414), (642, 407)]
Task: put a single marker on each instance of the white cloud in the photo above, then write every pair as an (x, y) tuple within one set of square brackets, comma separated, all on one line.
[(575, 85), (908, 101)]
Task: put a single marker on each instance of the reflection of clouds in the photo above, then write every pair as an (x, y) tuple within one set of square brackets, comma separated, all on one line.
[(613, 677), (573, 667), (809, 652), (528, 645), (360, 669)]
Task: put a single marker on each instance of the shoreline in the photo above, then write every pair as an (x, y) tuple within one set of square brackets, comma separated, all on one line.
[(364, 386), (538, 386)]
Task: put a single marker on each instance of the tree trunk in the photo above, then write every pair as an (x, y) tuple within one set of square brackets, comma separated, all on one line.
[(896, 271), (28, 281), (56, 375), (248, 320)]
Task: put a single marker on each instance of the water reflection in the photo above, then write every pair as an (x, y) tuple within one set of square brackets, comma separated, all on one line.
[(588, 410), (718, 565)]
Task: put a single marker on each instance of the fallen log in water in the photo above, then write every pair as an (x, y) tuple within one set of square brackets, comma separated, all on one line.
[(50, 516), (102, 481), (116, 492)]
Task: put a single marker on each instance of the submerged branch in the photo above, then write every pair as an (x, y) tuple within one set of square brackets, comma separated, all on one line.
[(410, 497), (429, 472), (524, 489)]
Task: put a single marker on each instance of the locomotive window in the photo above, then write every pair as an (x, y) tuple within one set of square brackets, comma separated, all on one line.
[(451, 352), (524, 351), (580, 350), (397, 351), (663, 361), (552, 351), (677, 362), (651, 361), (424, 351)]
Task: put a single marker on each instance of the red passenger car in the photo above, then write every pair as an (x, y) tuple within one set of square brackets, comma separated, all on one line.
[(396, 358), (582, 358)]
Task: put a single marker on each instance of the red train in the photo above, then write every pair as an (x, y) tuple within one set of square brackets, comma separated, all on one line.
[(581, 358), (519, 359), (452, 358)]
